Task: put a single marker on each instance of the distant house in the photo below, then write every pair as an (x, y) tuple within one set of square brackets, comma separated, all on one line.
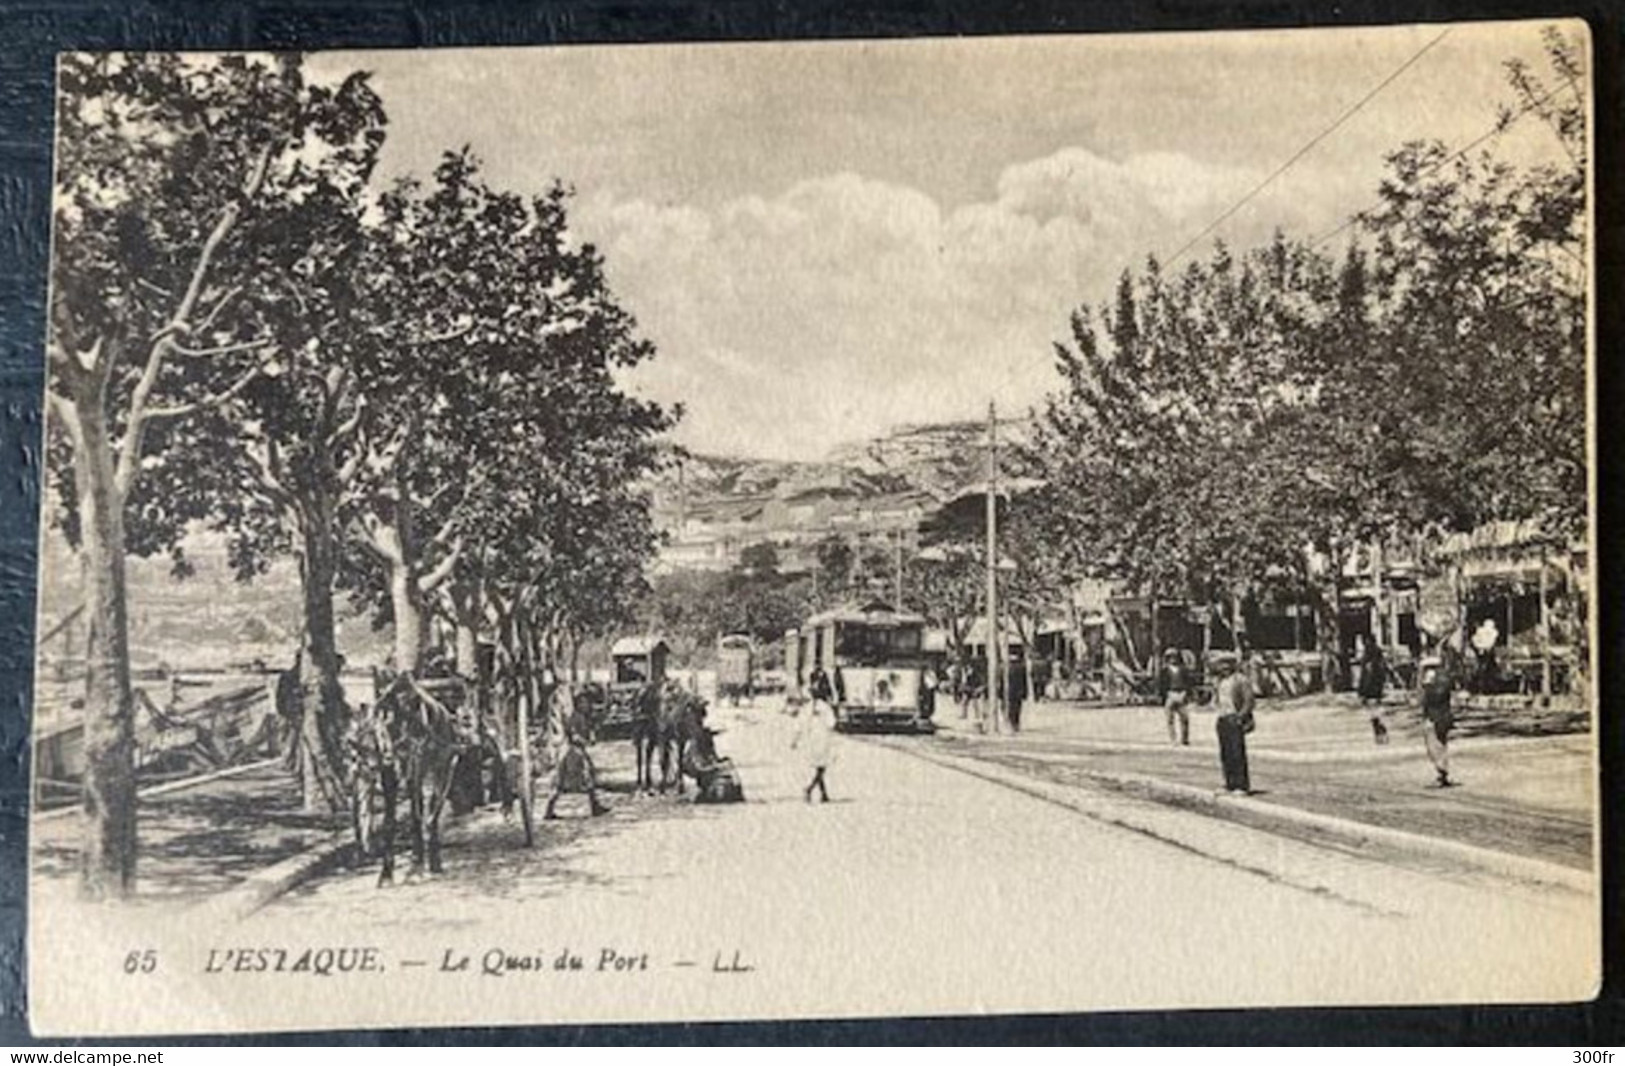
[(694, 553)]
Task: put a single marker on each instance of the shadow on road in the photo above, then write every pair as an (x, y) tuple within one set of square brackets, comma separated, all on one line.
[(194, 843)]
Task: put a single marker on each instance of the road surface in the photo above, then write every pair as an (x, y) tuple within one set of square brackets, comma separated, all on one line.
[(921, 889)]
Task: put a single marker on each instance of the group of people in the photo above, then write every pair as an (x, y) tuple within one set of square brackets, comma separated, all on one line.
[(1435, 685), (1235, 697), (969, 687)]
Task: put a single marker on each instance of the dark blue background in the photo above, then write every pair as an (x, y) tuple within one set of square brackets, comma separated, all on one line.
[(30, 34)]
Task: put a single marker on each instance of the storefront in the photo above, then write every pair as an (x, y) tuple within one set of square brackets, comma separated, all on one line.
[(1523, 609)]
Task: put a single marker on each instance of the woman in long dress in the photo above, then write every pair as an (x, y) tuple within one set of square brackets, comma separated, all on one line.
[(1373, 678)]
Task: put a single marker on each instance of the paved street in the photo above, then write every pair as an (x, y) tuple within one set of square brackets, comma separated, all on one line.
[(1531, 795), (948, 874), (921, 888)]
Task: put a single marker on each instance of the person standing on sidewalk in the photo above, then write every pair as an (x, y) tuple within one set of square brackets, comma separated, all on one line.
[(818, 686), (1438, 717), (1174, 686), (1373, 678), (1233, 698), (1015, 690)]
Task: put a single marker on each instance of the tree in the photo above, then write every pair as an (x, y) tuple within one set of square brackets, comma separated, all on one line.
[(835, 561), (760, 560), (1183, 456), (945, 584), (165, 165), (1214, 427), (295, 433), (503, 464)]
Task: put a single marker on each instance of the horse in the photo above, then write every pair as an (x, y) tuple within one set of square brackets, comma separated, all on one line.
[(646, 734), (669, 720), (414, 742)]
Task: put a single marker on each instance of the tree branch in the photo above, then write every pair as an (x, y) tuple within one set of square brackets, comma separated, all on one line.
[(63, 410), (70, 365), (351, 467), (370, 536), (434, 498), (181, 410), (421, 342), (219, 305), (217, 236), (443, 535), (224, 349), (437, 577), (266, 479), (129, 450)]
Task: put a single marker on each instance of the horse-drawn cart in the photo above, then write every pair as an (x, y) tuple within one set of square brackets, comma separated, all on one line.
[(639, 664)]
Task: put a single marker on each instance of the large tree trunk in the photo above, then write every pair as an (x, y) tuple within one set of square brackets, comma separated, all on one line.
[(468, 611), (108, 855), (411, 618), (321, 724), (400, 553)]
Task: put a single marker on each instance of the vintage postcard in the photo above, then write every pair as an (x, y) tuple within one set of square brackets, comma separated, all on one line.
[(807, 530)]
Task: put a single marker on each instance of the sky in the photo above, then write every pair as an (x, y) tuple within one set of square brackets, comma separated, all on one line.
[(828, 239)]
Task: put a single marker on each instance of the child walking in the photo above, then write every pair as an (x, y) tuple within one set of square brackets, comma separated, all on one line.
[(813, 739)]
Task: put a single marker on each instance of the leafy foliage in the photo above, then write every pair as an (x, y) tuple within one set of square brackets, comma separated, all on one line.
[(1216, 425)]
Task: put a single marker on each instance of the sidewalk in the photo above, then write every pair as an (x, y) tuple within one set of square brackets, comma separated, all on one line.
[(1526, 796), (198, 840)]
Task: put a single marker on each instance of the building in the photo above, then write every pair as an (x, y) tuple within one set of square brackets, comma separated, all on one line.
[(1522, 603)]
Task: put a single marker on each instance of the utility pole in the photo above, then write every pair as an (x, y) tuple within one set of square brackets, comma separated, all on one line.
[(682, 500), (897, 564), (994, 703)]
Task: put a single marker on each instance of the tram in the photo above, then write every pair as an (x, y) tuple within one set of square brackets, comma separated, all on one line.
[(736, 661), (878, 663)]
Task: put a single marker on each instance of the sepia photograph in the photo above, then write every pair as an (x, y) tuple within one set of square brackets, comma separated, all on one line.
[(817, 530)]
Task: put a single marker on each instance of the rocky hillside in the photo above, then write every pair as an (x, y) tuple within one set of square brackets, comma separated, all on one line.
[(938, 460)]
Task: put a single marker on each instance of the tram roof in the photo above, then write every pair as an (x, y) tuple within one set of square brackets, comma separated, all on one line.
[(643, 645), (874, 613)]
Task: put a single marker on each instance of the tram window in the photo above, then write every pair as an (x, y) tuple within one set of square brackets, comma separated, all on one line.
[(906, 641)]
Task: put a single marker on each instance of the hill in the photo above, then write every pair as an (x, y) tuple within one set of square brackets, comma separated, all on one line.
[(711, 507)]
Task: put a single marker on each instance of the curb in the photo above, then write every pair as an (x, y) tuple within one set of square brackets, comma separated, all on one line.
[(1369, 753), (1261, 814), (264, 886)]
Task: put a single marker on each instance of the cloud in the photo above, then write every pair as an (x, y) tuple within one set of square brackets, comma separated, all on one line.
[(845, 305)]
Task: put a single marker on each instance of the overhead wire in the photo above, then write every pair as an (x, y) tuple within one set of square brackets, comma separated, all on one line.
[(1501, 126), (1308, 147)]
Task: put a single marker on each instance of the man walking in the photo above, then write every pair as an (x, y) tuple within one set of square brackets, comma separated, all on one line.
[(1438, 718), (1233, 698), (1174, 686)]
